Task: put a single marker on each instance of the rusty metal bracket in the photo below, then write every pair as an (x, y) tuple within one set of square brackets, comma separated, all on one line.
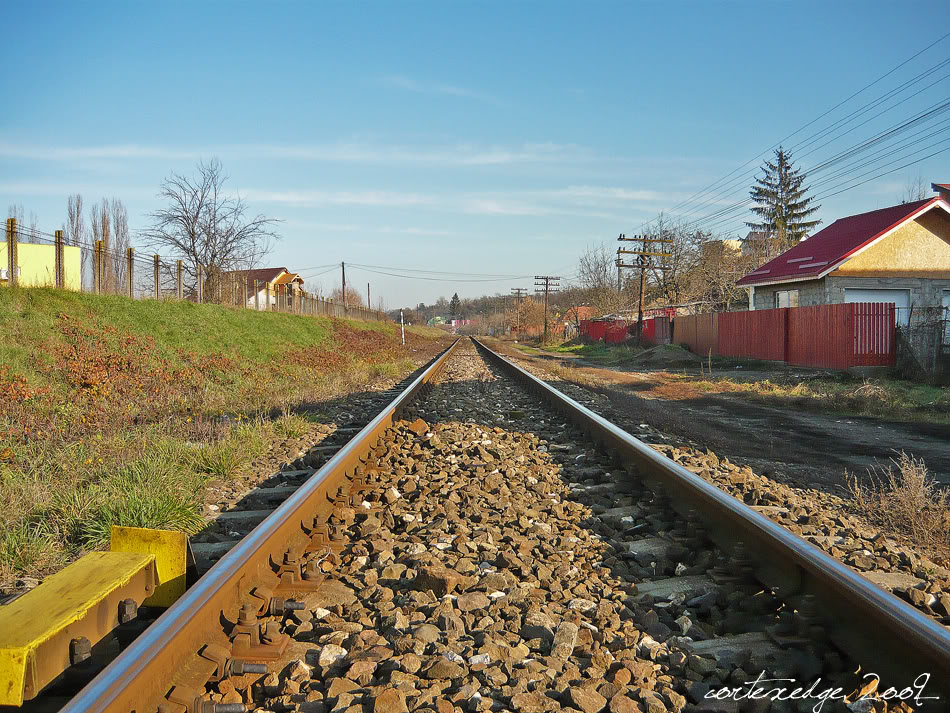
[(249, 643), (295, 577)]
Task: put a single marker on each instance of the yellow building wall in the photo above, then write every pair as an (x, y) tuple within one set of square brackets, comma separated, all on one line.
[(38, 265), (919, 249)]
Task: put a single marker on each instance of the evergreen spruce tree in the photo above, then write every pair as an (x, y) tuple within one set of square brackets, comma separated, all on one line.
[(782, 204), (455, 305)]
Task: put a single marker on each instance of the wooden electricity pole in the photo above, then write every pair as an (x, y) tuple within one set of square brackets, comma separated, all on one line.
[(550, 284), (343, 271), (518, 292), (646, 258)]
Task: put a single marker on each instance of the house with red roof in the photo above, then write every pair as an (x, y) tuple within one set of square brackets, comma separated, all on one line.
[(899, 254), (271, 284)]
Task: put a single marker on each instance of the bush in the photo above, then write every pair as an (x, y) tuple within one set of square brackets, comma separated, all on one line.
[(904, 499)]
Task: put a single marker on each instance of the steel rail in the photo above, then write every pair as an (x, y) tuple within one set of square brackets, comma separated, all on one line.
[(141, 676), (864, 620)]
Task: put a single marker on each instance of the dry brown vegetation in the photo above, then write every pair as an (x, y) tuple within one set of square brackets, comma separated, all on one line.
[(902, 498), (118, 411)]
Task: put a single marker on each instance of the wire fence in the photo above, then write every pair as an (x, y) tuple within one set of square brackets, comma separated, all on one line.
[(32, 258)]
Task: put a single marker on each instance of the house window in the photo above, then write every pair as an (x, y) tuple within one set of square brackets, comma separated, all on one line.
[(786, 298)]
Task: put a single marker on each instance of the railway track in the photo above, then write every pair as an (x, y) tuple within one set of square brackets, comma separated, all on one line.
[(486, 543)]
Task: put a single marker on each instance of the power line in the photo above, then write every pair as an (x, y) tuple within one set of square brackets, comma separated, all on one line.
[(888, 135), (714, 184), (439, 272), (439, 279), (717, 188)]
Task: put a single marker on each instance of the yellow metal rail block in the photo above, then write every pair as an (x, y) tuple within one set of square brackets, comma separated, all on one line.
[(48, 629), (171, 558)]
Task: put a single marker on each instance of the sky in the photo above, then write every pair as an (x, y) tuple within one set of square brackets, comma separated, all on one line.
[(491, 140)]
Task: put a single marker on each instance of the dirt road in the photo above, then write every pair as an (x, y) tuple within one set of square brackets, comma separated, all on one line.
[(807, 448)]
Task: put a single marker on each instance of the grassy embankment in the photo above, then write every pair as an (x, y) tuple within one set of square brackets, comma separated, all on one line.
[(121, 411), (764, 382)]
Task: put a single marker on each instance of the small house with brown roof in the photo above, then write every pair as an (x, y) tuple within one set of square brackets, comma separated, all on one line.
[(271, 283), (899, 254)]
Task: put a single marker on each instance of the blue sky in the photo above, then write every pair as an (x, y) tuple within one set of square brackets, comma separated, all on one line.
[(471, 137)]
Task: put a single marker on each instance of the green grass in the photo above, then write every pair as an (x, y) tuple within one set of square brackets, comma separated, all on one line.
[(596, 353), (119, 411)]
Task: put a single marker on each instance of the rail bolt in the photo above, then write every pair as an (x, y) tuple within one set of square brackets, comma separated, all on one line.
[(247, 617), (209, 707), (239, 668), (311, 570), (282, 606), (128, 610), (271, 634), (80, 649)]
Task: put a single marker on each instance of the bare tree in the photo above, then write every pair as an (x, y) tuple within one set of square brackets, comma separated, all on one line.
[(203, 226), (915, 190), (119, 218), (597, 277), (721, 264), (75, 229), (15, 210), (672, 283), (313, 287), (354, 298), (101, 230)]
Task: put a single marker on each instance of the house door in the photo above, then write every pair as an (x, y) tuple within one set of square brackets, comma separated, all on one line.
[(901, 298)]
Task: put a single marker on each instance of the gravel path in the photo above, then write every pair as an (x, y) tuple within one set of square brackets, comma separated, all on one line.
[(499, 563), (824, 519)]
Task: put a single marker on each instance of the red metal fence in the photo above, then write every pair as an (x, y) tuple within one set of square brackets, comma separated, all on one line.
[(754, 335), (656, 330), (824, 336), (699, 332), (842, 336)]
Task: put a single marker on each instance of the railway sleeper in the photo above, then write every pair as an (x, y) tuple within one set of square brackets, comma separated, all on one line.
[(739, 599)]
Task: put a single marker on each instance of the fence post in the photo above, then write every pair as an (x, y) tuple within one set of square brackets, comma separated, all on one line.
[(155, 275), (59, 269), (97, 267), (178, 285), (201, 287), (11, 252), (244, 290), (130, 266), (257, 297)]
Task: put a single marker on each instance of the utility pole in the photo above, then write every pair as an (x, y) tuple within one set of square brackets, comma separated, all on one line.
[(343, 270), (518, 292), (369, 302), (650, 248), (550, 284)]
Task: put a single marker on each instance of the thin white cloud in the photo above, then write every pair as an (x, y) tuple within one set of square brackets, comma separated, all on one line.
[(84, 153), (611, 193), (43, 188), (587, 201), (466, 154), (318, 198), (420, 232), (400, 81), (367, 229)]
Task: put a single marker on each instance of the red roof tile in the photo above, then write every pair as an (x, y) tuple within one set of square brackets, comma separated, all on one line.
[(829, 247)]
